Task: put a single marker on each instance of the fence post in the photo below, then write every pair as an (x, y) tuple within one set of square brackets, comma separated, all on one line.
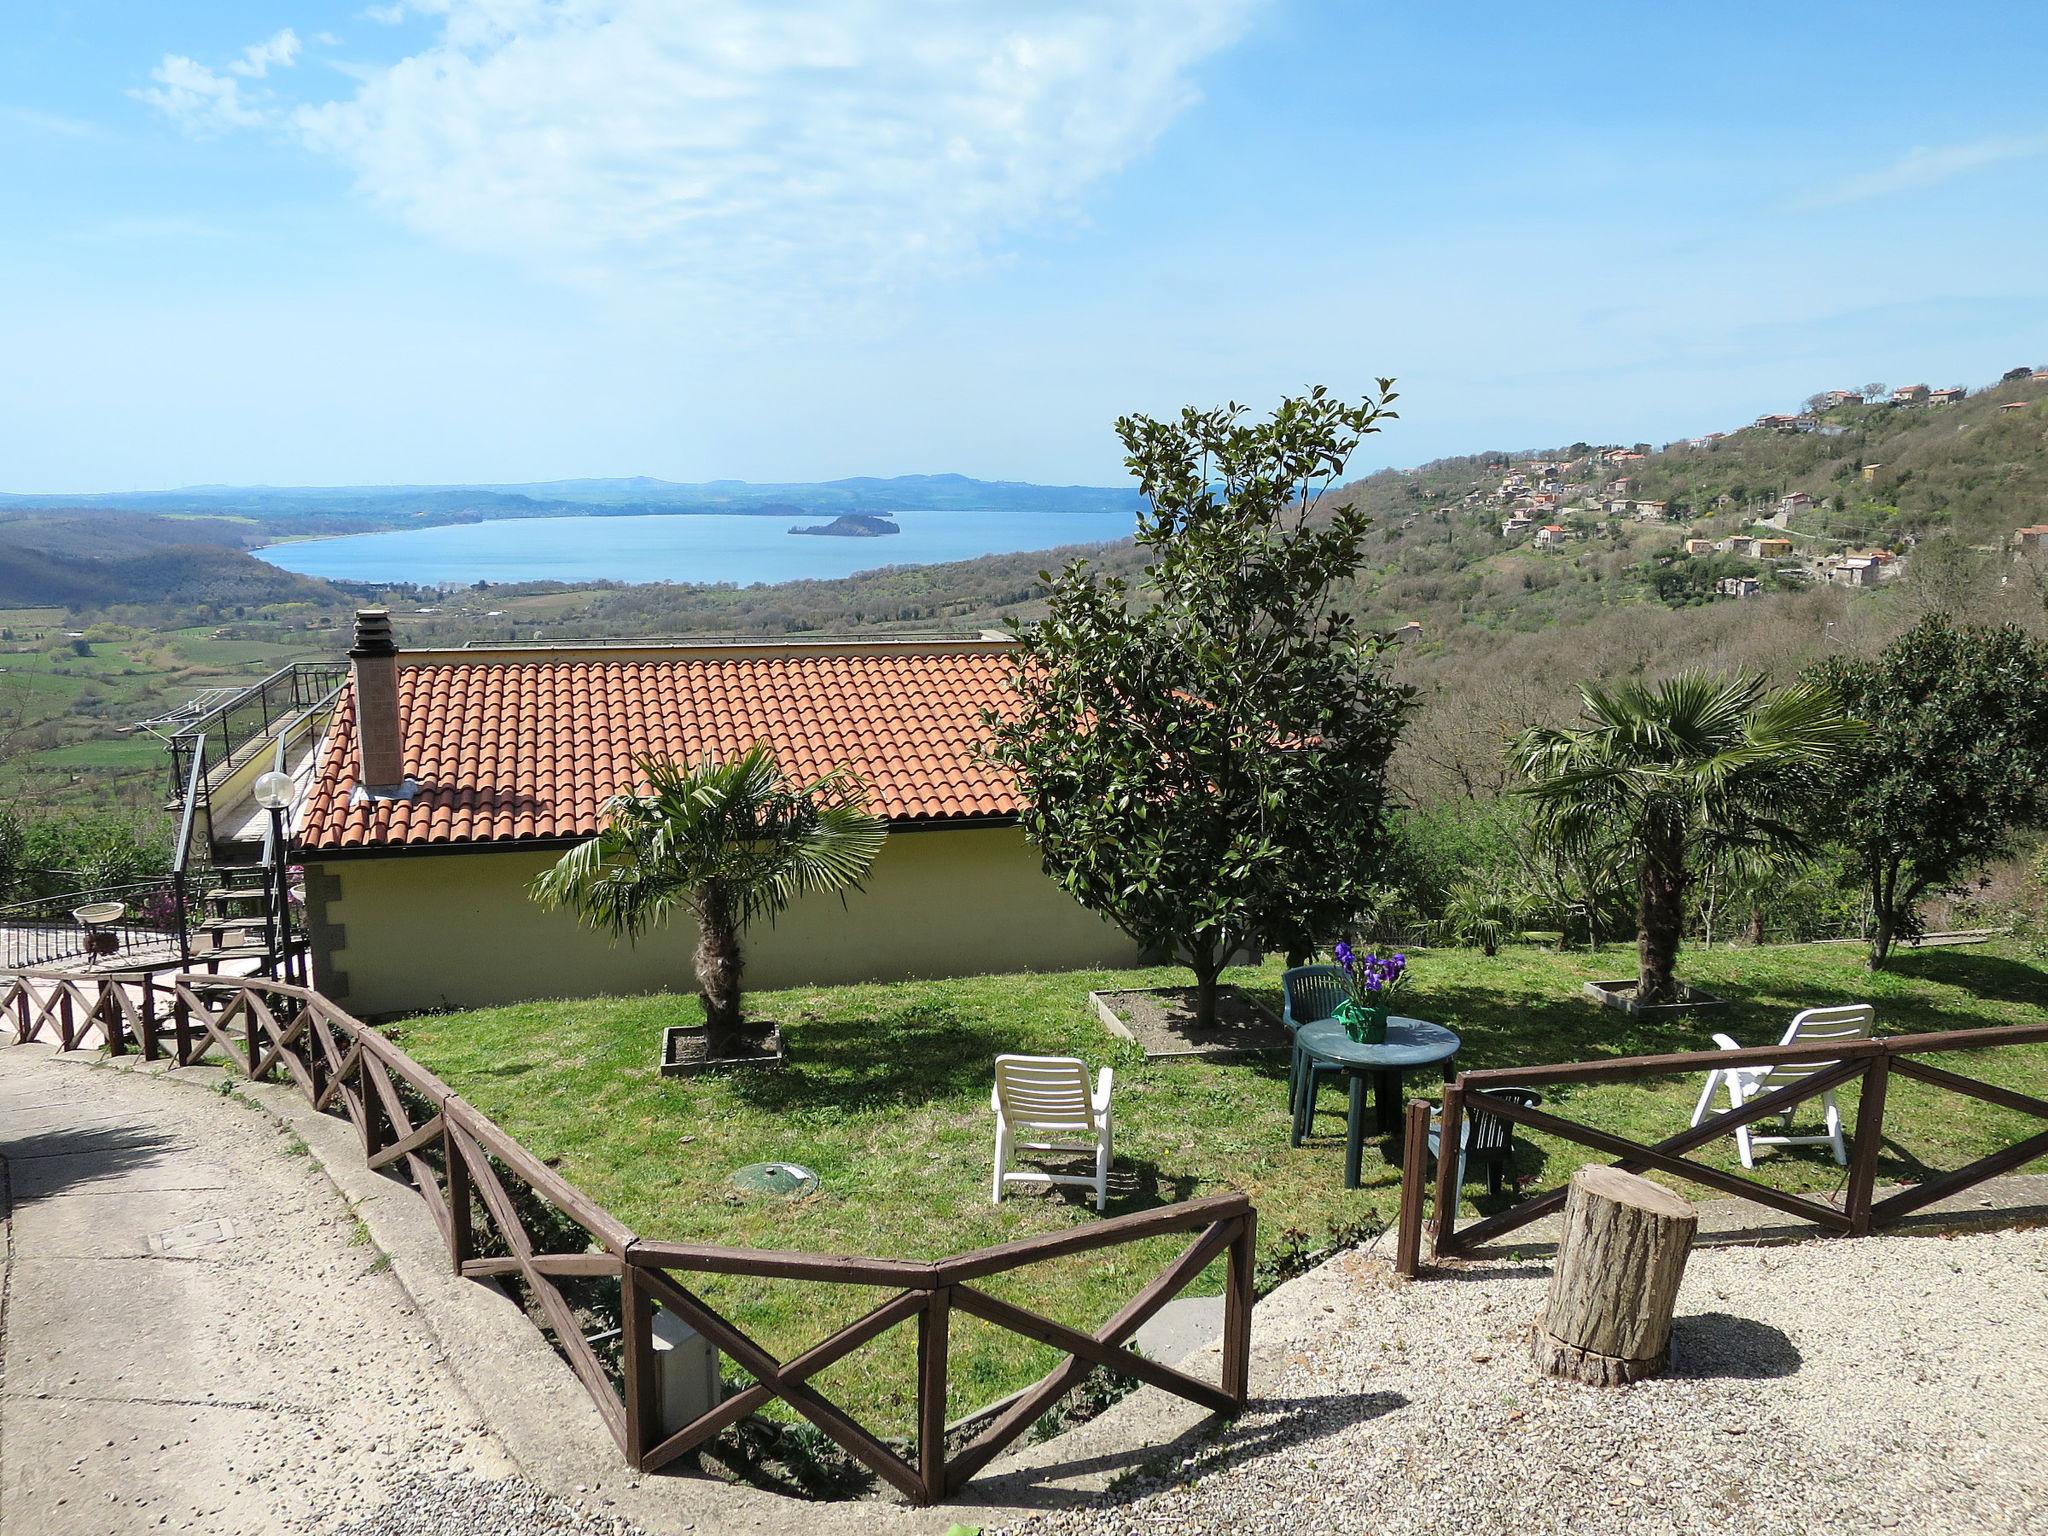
[(64, 1025), (1877, 1073), (1414, 1160), (934, 1326), (461, 1239), (1239, 1291), (251, 1035), (636, 1357), (113, 1028), (181, 1026), (150, 1050), (1450, 1131)]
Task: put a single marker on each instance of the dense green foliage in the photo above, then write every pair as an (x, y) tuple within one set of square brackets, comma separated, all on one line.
[(727, 842), (1204, 760), (54, 855), (1954, 764)]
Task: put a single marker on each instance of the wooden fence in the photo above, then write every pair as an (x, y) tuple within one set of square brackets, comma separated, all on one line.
[(474, 1180), (1867, 1062)]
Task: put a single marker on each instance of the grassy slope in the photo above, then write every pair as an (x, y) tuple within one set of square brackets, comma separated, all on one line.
[(886, 1097)]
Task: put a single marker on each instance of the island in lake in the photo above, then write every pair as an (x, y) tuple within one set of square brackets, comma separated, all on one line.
[(853, 525)]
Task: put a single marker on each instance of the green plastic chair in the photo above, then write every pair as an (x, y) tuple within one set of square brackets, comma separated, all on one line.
[(1309, 994)]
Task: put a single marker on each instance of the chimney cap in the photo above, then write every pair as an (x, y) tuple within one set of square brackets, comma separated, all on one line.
[(373, 633)]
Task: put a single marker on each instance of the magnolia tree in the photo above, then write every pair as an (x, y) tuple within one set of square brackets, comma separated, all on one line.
[(1203, 757)]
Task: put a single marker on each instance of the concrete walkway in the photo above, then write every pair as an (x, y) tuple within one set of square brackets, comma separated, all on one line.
[(195, 1336)]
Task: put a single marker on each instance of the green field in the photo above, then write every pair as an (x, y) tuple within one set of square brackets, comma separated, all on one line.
[(886, 1097)]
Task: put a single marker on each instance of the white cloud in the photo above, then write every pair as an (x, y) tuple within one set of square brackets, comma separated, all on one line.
[(386, 15), (281, 50), (1921, 168), (736, 148), (203, 100), (198, 99)]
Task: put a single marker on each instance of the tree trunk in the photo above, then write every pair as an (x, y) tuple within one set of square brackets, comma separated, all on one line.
[(1607, 1320), (1207, 965), (1756, 925), (1660, 918), (719, 967), (1884, 915)]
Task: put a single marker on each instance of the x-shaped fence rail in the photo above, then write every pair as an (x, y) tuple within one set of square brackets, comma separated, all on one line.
[(473, 1177), (1869, 1063)]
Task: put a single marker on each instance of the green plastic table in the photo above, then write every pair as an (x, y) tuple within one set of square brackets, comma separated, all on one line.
[(1410, 1043)]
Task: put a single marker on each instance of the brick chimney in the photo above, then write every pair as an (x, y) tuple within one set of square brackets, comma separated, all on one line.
[(380, 740)]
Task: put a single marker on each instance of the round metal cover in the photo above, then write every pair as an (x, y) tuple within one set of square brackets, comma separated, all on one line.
[(786, 1180)]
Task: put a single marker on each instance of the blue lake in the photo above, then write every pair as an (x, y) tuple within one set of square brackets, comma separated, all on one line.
[(694, 549)]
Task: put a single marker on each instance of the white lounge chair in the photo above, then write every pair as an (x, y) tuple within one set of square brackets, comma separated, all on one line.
[(1049, 1096), (1853, 1021)]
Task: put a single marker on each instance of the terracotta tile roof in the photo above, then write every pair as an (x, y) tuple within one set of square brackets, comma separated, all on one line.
[(516, 751)]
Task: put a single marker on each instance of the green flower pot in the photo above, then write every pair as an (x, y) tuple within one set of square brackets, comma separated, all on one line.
[(1364, 1023)]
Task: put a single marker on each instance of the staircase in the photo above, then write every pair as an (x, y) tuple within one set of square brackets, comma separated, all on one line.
[(227, 860), (237, 922)]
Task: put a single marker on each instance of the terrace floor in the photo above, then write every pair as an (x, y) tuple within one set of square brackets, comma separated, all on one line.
[(1840, 1385)]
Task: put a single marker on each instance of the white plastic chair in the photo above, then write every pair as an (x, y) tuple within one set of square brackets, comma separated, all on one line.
[(1853, 1021), (1049, 1096)]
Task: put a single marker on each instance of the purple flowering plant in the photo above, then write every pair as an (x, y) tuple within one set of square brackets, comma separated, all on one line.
[(1370, 977)]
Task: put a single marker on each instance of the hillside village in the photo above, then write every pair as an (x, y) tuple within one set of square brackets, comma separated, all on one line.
[(1790, 536)]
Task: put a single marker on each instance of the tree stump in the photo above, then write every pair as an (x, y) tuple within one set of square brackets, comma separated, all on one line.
[(1607, 1321)]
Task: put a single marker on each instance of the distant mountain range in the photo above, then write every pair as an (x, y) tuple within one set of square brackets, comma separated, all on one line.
[(361, 508)]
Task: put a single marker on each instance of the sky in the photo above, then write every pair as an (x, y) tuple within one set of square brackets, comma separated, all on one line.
[(502, 240)]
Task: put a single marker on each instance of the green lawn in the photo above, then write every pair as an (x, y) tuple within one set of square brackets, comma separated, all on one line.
[(886, 1097)]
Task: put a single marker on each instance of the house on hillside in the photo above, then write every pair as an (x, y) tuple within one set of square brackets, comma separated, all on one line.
[(1739, 586), (1699, 546), (1946, 396), (1517, 523), (1795, 502), (1550, 536), (1856, 570), (1649, 511), (2031, 539), (1910, 394), (1772, 549), (2014, 405), (1778, 423), (485, 765), (1834, 399)]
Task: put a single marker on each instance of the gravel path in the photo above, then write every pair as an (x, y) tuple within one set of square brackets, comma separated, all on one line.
[(196, 1335), (1889, 1383)]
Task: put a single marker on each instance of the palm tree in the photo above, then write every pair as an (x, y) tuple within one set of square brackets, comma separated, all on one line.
[(1672, 774), (727, 842)]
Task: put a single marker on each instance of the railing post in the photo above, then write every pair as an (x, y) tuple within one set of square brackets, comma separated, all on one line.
[(113, 1029), (640, 1388), (934, 1326), (1449, 1135), (64, 1025), (150, 1047), (180, 894), (1877, 1073), (1414, 1162), (253, 1036), (461, 1237), (181, 1026), (1239, 1291)]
